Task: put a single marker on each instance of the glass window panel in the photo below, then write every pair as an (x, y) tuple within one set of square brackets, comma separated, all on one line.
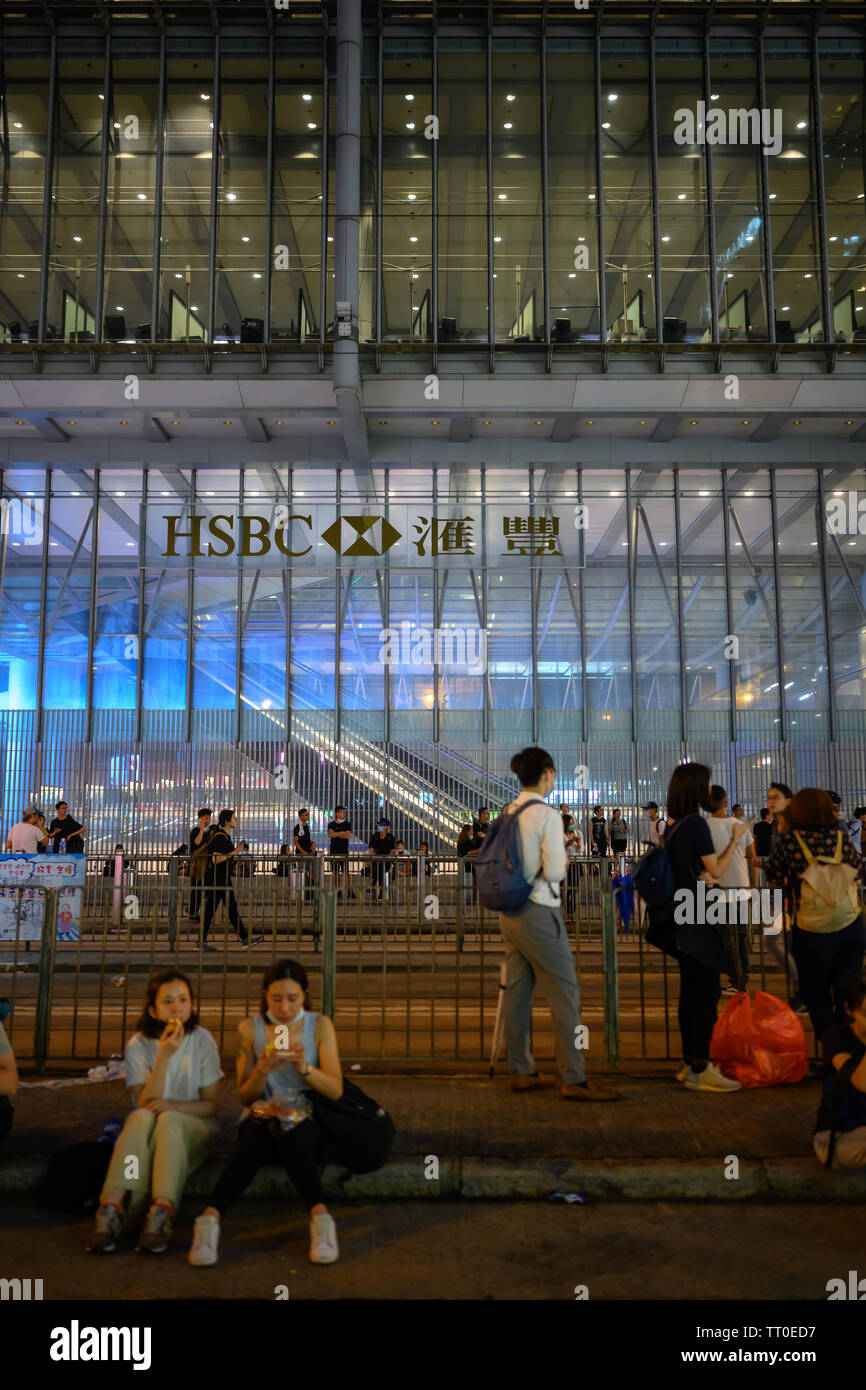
[(802, 601), (796, 264), (462, 189), (243, 195), (627, 174), (841, 74), (683, 204), (74, 239), (518, 291), (740, 282), (22, 167), (572, 189), (407, 192), (297, 191), (131, 176), (186, 190)]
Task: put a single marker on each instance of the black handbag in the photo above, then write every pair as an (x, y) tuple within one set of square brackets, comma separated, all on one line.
[(357, 1127)]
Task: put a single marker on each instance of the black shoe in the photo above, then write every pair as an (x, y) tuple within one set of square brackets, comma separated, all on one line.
[(212, 949)]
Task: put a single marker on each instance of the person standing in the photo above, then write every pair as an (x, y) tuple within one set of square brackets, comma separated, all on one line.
[(480, 827), (828, 938), (736, 878), (198, 838), (537, 948), (218, 883), (855, 828), (778, 796), (339, 835), (26, 837), (65, 827), (381, 844), (737, 811), (618, 832), (762, 834), (598, 833), (656, 832), (697, 947), (302, 841)]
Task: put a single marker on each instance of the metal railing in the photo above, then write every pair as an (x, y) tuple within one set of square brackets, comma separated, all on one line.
[(409, 959)]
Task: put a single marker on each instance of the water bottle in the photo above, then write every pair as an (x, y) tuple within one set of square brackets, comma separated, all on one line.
[(62, 849), (110, 1132)]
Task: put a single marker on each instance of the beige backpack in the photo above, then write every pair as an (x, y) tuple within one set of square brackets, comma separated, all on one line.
[(828, 891)]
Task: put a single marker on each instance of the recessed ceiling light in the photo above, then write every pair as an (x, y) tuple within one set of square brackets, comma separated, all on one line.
[(745, 422), (502, 197), (330, 238), (72, 422), (226, 422), (605, 125), (665, 238), (834, 238), (613, 96), (485, 422), (20, 422), (510, 96), (257, 275), (332, 422), (539, 422), (410, 125), (231, 197), (244, 238), (801, 125), (798, 422), (507, 125), (786, 306), (772, 195), (410, 197), (204, 96), (76, 238), (306, 96), (572, 275), (174, 422), (682, 197), (413, 238), (693, 422), (20, 276), (383, 422), (434, 422), (849, 422), (748, 494), (589, 422), (410, 96), (142, 197), (17, 125), (497, 238)]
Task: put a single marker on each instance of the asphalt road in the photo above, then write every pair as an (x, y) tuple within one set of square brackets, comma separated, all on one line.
[(462, 1251)]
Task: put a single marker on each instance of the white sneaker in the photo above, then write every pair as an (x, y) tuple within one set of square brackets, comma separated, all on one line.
[(324, 1249), (205, 1241), (710, 1079)]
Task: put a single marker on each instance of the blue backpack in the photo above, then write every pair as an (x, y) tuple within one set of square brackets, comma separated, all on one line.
[(654, 877), (499, 877)]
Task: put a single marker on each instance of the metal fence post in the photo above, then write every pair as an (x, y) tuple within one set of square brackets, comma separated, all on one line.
[(328, 919), (45, 984), (173, 899), (611, 982)]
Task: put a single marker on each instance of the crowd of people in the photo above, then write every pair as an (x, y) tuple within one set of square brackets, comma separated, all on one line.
[(287, 1054)]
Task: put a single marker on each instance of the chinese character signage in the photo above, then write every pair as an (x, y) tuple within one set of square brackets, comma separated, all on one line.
[(32, 874), (312, 534)]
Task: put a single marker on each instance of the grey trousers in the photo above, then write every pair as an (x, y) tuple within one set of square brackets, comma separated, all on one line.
[(537, 950)]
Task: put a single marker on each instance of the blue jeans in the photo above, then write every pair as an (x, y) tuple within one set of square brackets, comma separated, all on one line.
[(825, 964)]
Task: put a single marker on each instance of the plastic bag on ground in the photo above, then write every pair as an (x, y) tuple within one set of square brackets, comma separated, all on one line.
[(761, 1043)]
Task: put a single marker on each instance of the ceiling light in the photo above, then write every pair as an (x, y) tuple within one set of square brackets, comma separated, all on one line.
[(231, 197), (383, 422), (72, 422), (798, 422), (507, 125), (204, 96), (693, 422), (834, 238), (244, 238), (605, 125), (410, 96), (497, 238), (786, 306), (682, 197), (413, 238), (415, 275), (410, 197), (306, 96), (330, 238), (745, 422), (641, 422), (311, 125), (17, 125), (174, 422), (502, 197), (20, 422), (539, 422), (589, 422), (592, 197), (434, 422), (485, 422), (613, 96), (410, 125), (226, 422), (849, 422), (142, 197), (510, 96), (76, 238), (257, 275), (572, 275), (772, 195), (665, 238), (331, 422), (801, 125), (613, 494)]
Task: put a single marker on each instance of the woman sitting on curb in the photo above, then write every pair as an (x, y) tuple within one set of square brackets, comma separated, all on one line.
[(284, 1054), (173, 1072)]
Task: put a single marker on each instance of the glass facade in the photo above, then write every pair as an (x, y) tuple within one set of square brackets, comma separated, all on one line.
[(516, 188), (623, 619)]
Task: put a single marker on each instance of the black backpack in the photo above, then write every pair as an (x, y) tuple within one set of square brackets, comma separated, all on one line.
[(357, 1127), (75, 1176)]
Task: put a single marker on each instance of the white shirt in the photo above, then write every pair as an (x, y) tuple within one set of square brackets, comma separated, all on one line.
[(656, 833), (736, 875), (195, 1064), (25, 838), (541, 847)]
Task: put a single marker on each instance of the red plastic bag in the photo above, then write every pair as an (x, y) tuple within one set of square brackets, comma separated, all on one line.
[(761, 1044)]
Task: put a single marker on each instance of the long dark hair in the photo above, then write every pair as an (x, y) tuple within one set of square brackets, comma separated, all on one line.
[(152, 1027), (284, 970), (689, 790)]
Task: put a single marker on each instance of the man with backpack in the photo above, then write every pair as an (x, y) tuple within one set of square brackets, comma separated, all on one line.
[(518, 871)]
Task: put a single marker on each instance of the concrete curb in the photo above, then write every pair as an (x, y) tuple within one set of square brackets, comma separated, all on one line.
[(478, 1179)]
